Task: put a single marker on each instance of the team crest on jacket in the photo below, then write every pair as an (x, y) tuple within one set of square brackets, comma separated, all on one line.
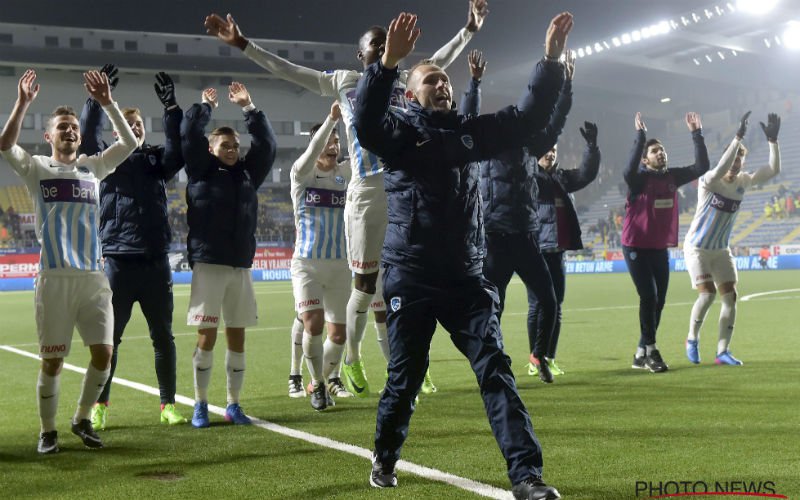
[(152, 159), (395, 303), (467, 141)]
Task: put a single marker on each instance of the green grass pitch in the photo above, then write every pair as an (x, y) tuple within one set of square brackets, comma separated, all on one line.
[(603, 426)]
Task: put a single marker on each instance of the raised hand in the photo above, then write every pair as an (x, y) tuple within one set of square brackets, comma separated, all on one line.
[(477, 64), (336, 111), (478, 10), (28, 89), (557, 32), (772, 127), (111, 71), (209, 96), (639, 123), (569, 62), (226, 30), (400, 39), (165, 89), (742, 126), (238, 94), (98, 87), (693, 121), (589, 133)]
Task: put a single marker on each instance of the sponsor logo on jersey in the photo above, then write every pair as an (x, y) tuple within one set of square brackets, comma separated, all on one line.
[(378, 304), (364, 265), (395, 303), (701, 277), (663, 203), (328, 198), (309, 302), (724, 204), (68, 190)]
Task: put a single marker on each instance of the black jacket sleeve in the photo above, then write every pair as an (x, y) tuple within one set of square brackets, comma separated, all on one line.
[(471, 99), (631, 173), (91, 123), (172, 156), (543, 141), (263, 146), (194, 143), (701, 164), (578, 178)]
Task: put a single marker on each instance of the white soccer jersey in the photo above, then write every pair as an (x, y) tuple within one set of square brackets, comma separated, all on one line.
[(65, 197), (341, 84), (318, 198), (718, 201)]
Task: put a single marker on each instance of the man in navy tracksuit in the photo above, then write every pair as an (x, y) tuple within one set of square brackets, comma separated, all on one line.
[(508, 190), (433, 251), (222, 213), (559, 228), (135, 235)]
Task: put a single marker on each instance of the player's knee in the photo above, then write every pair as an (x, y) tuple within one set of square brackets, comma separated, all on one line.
[(101, 356), (52, 366), (366, 283)]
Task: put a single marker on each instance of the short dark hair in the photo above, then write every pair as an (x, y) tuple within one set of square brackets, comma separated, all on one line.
[(650, 142), (374, 27), (223, 131), (60, 111)]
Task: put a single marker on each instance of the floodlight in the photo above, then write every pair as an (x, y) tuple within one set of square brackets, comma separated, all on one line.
[(646, 32), (696, 62), (791, 37), (626, 38), (588, 50), (581, 53), (636, 35), (756, 6), (616, 41), (665, 99)]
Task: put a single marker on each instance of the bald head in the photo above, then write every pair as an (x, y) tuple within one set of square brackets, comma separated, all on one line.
[(429, 85)]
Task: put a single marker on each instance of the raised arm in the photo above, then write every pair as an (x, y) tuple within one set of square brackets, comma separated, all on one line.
[(729, 155), (98, 86), (771, 130), (444, 57), (701, 162), (172, 156), (631, 173), (18, 158), (578, 178), (92, 118), (471, 99), (194, 143), (228, 32), (263, 146), (304, 166)]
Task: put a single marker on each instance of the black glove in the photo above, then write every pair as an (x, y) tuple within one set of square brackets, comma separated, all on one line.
[(111, 71), (743, 126), (589, 133), (165, 89), (772, 127)]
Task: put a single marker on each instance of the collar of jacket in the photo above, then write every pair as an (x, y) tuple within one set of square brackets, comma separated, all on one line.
[(431, 117)]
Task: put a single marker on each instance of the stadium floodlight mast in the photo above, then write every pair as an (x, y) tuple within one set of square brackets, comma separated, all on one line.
[(757, 7)]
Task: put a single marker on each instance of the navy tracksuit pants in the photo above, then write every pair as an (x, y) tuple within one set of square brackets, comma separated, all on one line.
[(147, 280), (468, 309), (519, 252), (556, 267), (649, 270)]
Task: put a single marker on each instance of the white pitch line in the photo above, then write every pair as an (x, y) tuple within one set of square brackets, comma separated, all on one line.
[(476, 487), (773, 292)]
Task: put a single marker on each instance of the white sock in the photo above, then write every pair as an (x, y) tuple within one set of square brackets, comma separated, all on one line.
[(202, 363), (93, 383), (650, 348), (727, 318), (47, 391), (234, 365), (313, 350), (356, 320), (383, 339), (297, 348), (331, 359), (640, 352), (699, 312)]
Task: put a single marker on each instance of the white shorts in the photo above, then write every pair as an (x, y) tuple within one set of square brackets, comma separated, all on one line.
[(322, 284), (377, 303), (710, 266), (63, 302), (365, 220), (225, 288)]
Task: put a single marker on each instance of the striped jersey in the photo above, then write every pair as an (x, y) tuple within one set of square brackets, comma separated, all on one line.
[(318, 199), (65, 197), (718, 201)]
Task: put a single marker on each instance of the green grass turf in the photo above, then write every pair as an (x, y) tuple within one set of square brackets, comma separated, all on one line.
[(603, 426)]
